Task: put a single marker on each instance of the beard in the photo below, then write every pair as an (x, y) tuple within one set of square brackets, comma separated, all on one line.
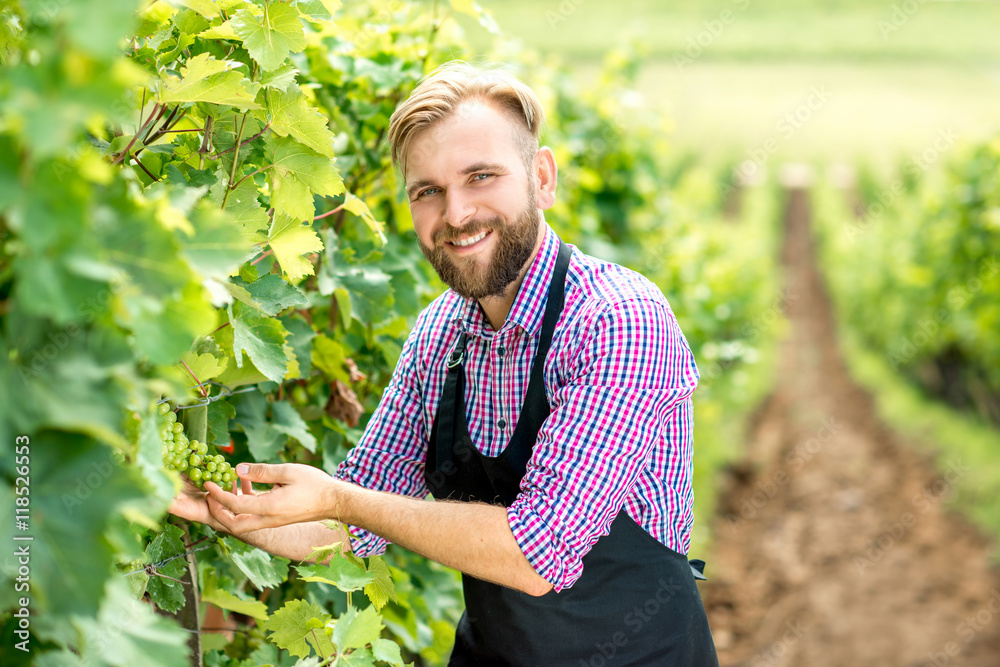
[(514, 243)]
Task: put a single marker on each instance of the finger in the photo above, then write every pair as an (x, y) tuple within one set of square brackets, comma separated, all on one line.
[(236, 523), (234, 503), (246, 487), (265, 473)]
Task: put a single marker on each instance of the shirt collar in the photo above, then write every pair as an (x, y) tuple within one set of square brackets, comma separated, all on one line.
[(528, 308)]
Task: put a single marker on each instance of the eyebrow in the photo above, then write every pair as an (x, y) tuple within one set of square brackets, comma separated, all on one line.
[(471, 169)]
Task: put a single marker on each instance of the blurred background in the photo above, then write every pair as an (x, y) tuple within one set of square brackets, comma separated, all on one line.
[(815, 187)]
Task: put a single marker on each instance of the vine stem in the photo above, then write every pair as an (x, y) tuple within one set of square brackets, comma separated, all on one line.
[(216, 155), (329, 213), (252, 174), (236, 155), (201, 388), (142, 129), (262, 256)]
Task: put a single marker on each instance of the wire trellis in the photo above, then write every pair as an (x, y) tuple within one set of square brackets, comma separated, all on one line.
[(224, 392)]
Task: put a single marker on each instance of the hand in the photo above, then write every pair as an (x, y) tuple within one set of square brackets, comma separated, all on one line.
[(192, 504), (300, 493)]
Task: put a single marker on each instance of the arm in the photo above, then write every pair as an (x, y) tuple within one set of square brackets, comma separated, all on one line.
[(471, 537), (620, 420)]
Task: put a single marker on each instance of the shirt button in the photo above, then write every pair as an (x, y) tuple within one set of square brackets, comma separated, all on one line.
[(501, 424), (500, 351)]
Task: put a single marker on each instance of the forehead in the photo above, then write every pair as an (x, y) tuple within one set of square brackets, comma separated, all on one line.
[(476, 132)]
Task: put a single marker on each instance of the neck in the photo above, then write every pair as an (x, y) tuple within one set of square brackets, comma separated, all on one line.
[(497, 308)]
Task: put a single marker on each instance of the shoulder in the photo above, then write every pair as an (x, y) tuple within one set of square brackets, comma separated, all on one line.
[(597, 288)]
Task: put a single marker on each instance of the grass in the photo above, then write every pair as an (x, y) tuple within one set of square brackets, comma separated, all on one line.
[(891, 91)]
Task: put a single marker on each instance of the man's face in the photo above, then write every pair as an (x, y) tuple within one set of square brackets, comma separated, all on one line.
[(473, 200)]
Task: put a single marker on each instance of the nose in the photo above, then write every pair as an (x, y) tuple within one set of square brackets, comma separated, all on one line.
[(459, 207)]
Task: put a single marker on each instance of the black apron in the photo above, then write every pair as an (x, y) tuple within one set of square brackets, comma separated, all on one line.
[(636, 602)]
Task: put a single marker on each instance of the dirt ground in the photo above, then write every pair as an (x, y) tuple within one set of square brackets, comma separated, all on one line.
[(833, 544)]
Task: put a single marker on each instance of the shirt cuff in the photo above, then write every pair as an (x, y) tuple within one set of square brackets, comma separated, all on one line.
[(539, 545), (365, 544)]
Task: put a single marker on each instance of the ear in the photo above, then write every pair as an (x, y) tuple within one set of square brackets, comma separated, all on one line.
[(546, 174)]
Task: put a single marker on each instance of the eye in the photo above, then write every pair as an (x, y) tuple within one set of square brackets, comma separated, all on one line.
[(426, 191), (482, 177)]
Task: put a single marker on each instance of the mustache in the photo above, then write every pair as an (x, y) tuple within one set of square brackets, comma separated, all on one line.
[(471, 229)]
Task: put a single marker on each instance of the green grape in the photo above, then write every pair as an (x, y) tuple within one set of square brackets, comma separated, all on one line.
[(219, 458), (177, 427), (180, 437), (195, 461), (211, 466), (181, 466), (163, 408), (216, 477), (195, 475), (227, 477), (171, 416)]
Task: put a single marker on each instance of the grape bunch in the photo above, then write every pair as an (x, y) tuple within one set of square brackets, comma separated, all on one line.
[(191, 457)]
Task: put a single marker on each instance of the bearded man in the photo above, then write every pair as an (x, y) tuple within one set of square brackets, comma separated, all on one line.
[(544, 401)]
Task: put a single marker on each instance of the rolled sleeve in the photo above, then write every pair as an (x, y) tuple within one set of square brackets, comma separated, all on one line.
[(390, 455), (609, 415)]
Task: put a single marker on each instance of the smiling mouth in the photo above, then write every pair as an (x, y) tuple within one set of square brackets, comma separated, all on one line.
[(463, 243)]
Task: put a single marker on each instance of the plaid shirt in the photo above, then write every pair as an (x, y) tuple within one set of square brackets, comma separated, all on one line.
[(618, 377)]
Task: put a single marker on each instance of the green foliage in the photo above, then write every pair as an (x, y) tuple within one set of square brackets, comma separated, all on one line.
[(197, 204), (917, 274)]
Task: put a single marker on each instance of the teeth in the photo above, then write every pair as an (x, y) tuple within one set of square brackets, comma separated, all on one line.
[(466, 242)]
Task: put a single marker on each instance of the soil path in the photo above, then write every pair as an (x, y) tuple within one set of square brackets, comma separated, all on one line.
[(833, 546)]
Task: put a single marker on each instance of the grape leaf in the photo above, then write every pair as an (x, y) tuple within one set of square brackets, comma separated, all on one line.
[(165, 330), (289, 240), (282, 78), (288, 626), (263, 338), (319, 10), (226, 600), (166, 593), (261, 568), (206, 8), (300, 337), (381, 589), (291, 115), (340, 572), (299, 172), (203, 366), (219, 414), (287, 420), (127, 633), (358, 207), (217, 247), (387, 651), (272, 293), (206, 79), (271, 37), (328, 355), (356, 629), (360, 658)]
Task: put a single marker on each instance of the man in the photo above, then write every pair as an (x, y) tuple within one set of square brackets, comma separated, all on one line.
[(544, 401)]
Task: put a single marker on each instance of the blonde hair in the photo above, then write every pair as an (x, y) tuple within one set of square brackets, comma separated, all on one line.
[(442, 92)]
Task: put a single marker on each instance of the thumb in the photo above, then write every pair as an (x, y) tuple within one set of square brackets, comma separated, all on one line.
[(264, 473)]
